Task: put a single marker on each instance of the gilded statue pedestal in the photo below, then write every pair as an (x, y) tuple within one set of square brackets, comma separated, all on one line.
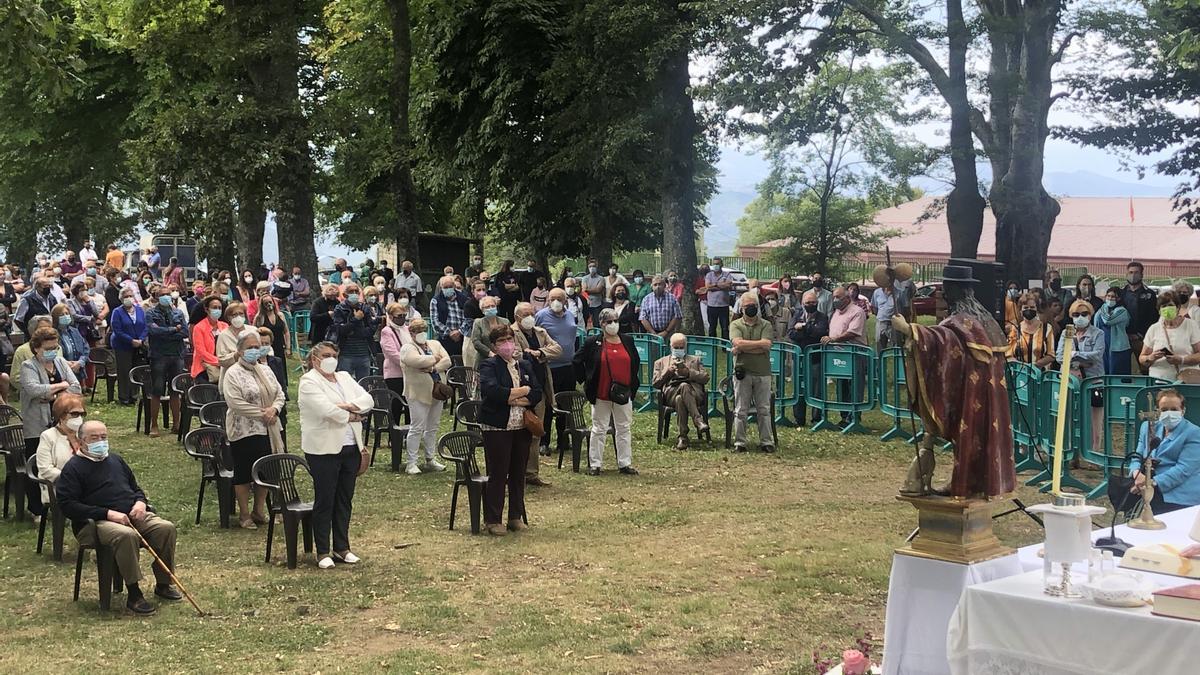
[(955, 530)]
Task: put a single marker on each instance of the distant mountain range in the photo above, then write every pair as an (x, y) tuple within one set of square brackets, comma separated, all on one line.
[(741, 172)]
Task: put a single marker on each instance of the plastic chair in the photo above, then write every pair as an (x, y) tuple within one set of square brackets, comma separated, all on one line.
[(139, 377), (210, 447), (105, 364), (372, 382), (459, 447), (12, 446), (467, 412), (380, 419), (179, 387), (197, 396), (464, 385), (571, 408), (9, 415), (665, 413), (108, 575), (53, 513), (727, 408), (277, 473), (213, 414)]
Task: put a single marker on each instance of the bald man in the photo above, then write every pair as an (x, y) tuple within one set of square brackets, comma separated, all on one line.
[(559, 323), (683, 383), (98, 492)]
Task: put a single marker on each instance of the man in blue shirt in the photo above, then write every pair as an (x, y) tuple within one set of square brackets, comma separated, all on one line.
[(167, 329), (450, 321), (560, 324), (883, 302), (660, 313), (719, 286)]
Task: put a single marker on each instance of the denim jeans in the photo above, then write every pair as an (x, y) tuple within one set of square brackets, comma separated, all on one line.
[(358, 366)]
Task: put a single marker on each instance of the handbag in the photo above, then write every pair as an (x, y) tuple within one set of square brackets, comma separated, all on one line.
[(364, 462), (533, 423), (618, 393)]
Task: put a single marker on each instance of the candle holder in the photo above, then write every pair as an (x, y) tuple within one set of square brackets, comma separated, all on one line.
[(1068, 540)]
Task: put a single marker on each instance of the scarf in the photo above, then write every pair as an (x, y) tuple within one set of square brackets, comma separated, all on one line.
[(266, 392)]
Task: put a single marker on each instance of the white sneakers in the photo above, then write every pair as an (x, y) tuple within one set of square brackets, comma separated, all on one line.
[(432, 465), (325, 563), (412, 469)]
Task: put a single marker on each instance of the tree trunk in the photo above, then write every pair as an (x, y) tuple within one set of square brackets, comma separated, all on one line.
[(964, 205), (679, 179), (219, 250), (292, 182), (602, 244), (251, 223), (400, 179)]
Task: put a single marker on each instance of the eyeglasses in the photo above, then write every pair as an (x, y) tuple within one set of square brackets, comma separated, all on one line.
[(76, 413), (1079, 314)]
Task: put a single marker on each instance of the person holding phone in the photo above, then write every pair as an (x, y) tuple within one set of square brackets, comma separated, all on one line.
[(1171, 347)]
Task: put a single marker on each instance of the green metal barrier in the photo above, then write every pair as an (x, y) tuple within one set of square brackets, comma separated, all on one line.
[(851, 363), (1120, 394), (1047, 419), (649, 348), (1024, 382), (716, 355), (787, 367), (299, 323), (893, 397)]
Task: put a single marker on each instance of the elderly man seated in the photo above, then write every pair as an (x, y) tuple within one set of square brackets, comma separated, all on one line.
[(98, 486), (683, 381)]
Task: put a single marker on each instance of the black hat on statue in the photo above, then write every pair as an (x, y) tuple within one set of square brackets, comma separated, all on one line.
[(958, 274)]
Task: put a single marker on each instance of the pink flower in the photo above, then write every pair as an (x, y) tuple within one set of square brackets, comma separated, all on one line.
[(854, 663)]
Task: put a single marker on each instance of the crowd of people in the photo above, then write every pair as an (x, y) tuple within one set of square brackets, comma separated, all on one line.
[(518, 329)]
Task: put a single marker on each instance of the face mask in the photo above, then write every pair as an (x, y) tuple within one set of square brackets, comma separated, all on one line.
[(843, 303), (146, 281), (1029, 314), (174, 295), (448, 292), (1085, 291), (570, 290), (506, 349), (716, 268), (91, 271), (638, 280), (96, 450), (1170, 418), (1014, 293), (398, 320), (248, 279), (612, 271), (611, 328), (295, 277), (811, 309), (238, 322), (672, 279), (74, 423), (678, 353), (1111, 304), (214, 314), (64, 321), (1134, 278), (750, 311), (1168, 313), (621, 295), (591, 269), (352, 298), (327, 365), (127, 302), (818, 283), (527, 323), (50, 355), (659, 290), (477, 261), (556, 306), (490, 312), (380, 287), (371, 300), (1081, 321), (266, 351), (1056, 284), (250, 355), (420, 338), (164, 300)]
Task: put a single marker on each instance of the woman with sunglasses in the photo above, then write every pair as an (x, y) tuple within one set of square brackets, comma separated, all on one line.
[(58, 444)]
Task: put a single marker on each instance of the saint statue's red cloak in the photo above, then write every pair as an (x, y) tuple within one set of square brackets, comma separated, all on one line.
[(957, 386)]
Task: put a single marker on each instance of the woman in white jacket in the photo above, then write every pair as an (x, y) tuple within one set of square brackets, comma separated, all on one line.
[(332, 408), (423, 360)]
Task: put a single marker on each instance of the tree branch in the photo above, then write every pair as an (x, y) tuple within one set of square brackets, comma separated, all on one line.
[(1062, 47)]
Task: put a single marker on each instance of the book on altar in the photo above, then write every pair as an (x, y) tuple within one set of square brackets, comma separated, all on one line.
[(1180, 602)]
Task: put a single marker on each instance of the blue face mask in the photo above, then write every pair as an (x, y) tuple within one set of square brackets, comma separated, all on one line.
[(352, 298), (678, 353), (214, 314), (1111, 304), (490, 312), (164, 299), (97, 449), (91, 271), (64, 320), (1170, 418), (251, 355), (50, 355), (448, 292)]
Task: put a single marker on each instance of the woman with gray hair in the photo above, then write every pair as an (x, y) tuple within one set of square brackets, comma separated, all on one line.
[(608, 366), (482, 328), (424, 361), (1184, 290), (254, 400)]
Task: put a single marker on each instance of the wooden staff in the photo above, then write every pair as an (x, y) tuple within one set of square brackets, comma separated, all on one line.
[(171, 574)]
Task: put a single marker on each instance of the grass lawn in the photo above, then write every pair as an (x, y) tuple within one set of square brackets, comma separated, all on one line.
[(706, 562)]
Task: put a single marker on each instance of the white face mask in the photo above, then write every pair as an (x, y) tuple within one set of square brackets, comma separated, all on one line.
[(527, 323), (420, 338), (403, 302), (1170, 418), (327, 365), (238, 322), (74, 423), (556, 306), (611, 328)]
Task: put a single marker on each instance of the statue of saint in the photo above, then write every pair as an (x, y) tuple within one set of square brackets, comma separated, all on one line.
[(956, 384)]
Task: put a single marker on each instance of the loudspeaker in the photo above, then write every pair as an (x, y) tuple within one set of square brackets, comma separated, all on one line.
[(990, 290)]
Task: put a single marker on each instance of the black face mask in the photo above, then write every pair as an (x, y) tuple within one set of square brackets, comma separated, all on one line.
[(1029, 314), (621, 296), (750, 310), (810, 308), (818, 283), (1056, 284)]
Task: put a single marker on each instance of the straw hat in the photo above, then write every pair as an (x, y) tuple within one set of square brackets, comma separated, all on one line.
[(904, 271), (880, 276)]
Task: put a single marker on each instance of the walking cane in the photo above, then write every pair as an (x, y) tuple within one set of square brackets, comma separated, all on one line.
[(169, 572)]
